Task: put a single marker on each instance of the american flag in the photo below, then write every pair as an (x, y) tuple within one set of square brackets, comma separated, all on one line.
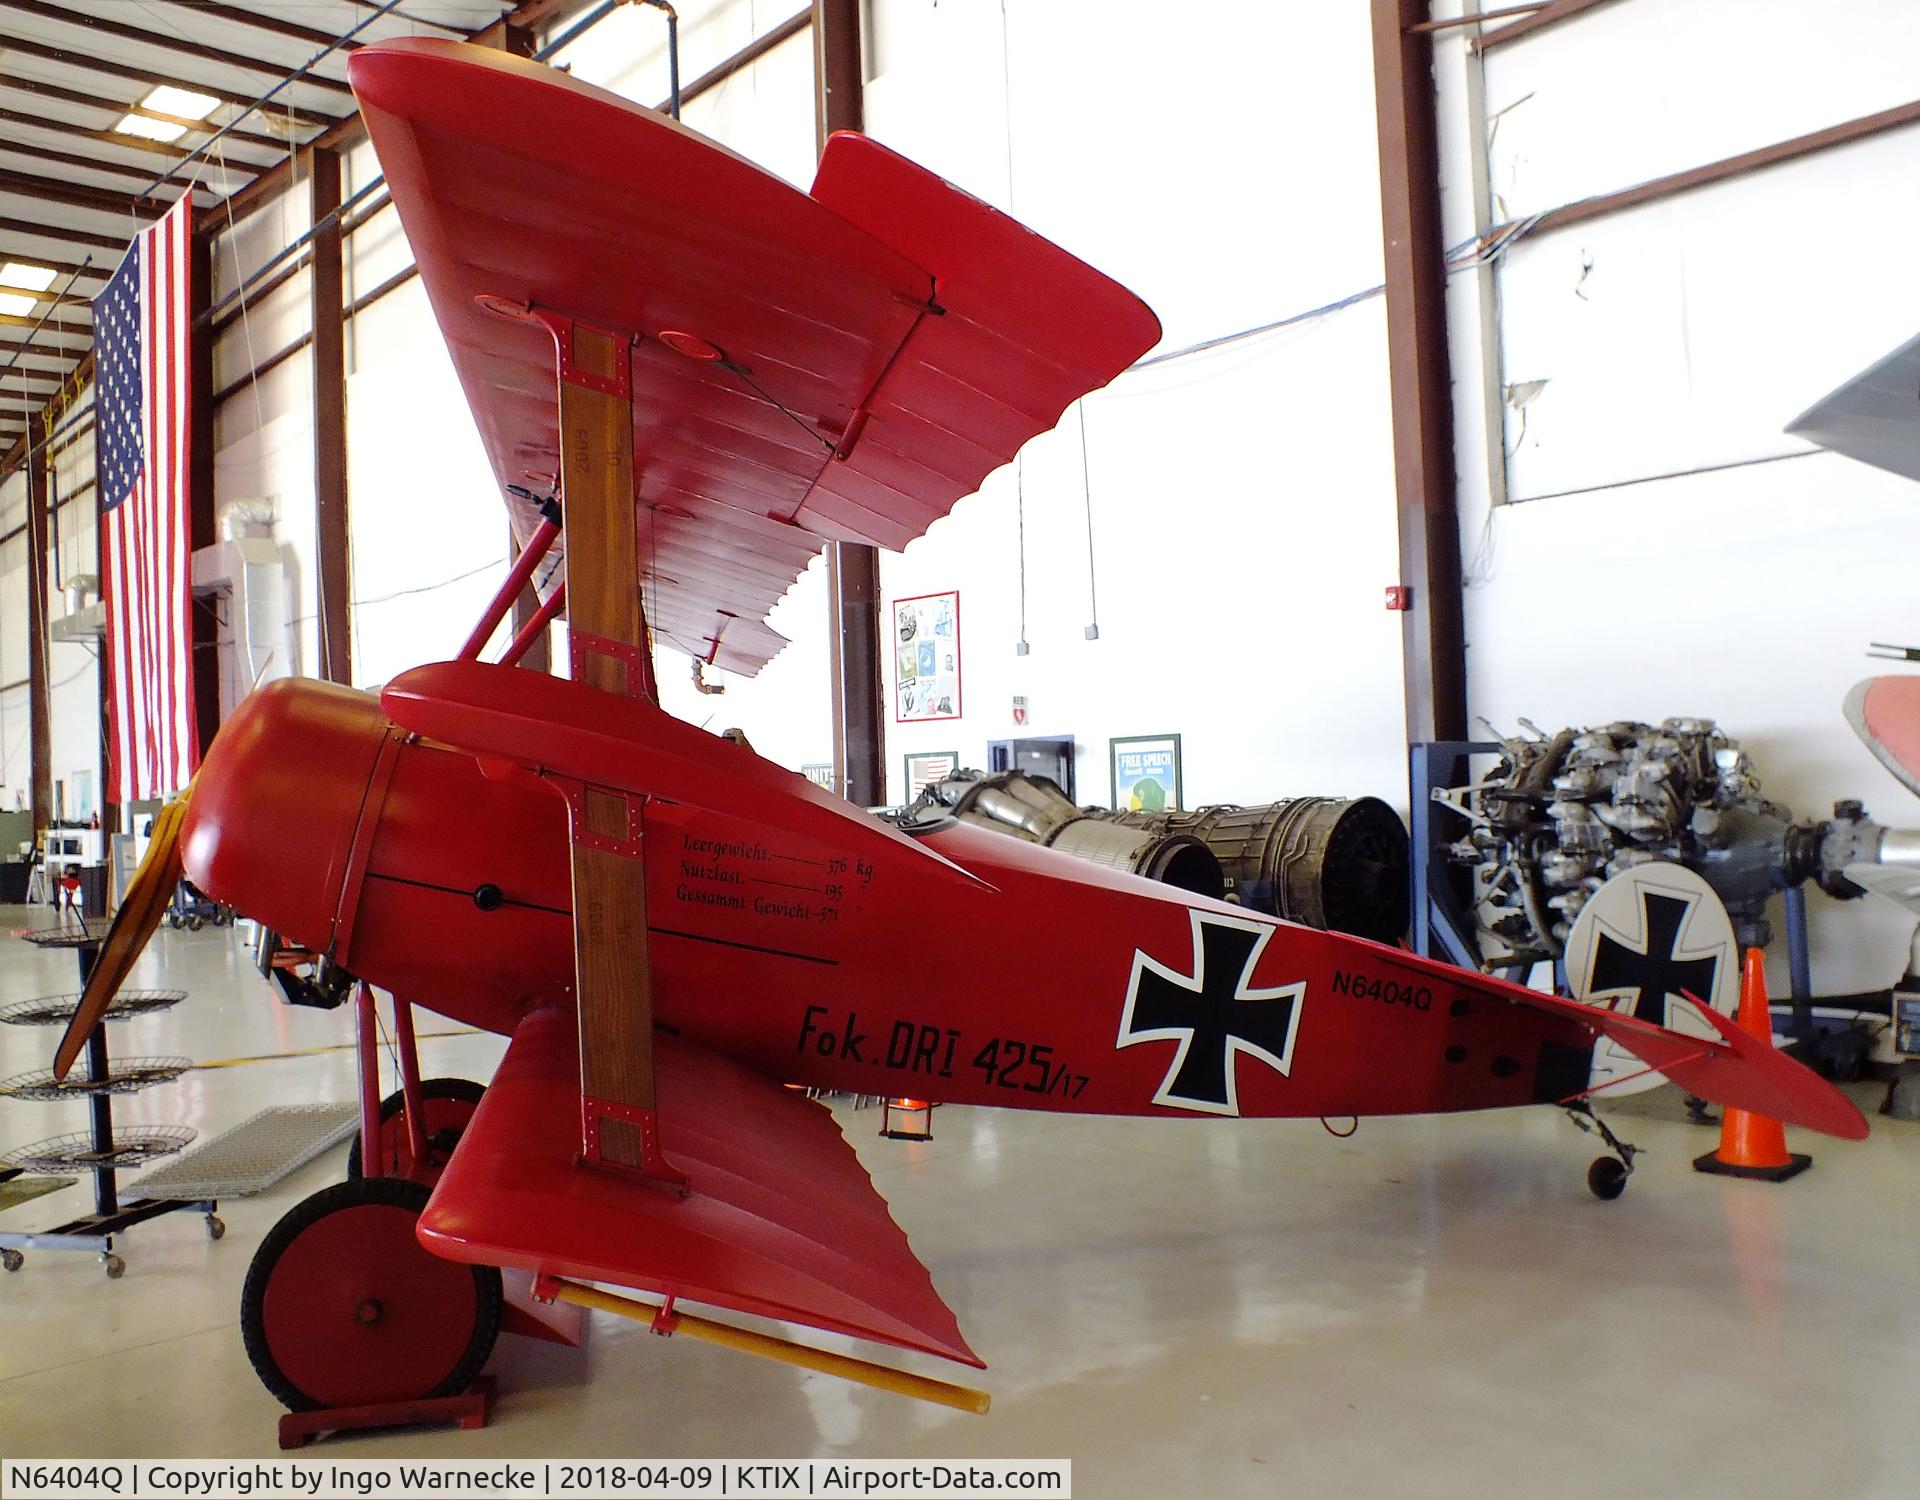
[(142, 325)]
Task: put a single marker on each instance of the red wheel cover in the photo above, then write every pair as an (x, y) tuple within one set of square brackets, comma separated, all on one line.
[(359, 1259)]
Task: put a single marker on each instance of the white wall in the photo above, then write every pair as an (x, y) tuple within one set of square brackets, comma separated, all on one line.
[(1682, 336)]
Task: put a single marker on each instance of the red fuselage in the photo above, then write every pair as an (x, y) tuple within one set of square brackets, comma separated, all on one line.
[(1044, 983)]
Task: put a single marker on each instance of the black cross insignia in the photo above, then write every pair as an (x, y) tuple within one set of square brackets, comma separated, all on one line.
[(1212, 1013), (1657, 972)]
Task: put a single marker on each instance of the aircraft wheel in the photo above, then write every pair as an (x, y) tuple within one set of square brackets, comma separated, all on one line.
[(343, 1306), (1607, 1178), (449, 1104), (216, 1227), (13, 1260), (115, 1266)]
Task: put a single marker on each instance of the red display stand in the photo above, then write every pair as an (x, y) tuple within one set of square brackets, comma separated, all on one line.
[(471, 1409)]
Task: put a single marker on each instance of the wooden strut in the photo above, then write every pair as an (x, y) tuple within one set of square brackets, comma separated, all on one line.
[(607, 635)]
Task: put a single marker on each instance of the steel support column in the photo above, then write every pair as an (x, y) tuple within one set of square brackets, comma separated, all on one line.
[(39, 704), (853, 572), (1433, 645), (329, 359)]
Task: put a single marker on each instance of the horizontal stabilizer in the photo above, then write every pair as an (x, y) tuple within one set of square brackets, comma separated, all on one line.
[(780, 1219), (1746, 1072)]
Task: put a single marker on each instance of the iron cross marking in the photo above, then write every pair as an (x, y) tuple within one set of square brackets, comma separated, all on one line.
[(1213, 1014), (1659, 971)]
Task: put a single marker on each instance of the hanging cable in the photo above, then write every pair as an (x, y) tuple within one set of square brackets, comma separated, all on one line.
[(1086, 490), (1020, 512)]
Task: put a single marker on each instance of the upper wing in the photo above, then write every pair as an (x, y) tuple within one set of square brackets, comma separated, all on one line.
[(780, 1220), (888, 341)]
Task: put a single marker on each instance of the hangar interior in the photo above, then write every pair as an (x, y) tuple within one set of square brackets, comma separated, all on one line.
[(1510, 374)]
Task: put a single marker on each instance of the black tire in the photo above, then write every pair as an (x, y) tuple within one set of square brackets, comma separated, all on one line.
[(462, 1089), (1606, 1178), (345, 1196)]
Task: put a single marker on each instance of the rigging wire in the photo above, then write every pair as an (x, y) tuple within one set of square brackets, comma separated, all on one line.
[(1086, 490), (1020, 515)]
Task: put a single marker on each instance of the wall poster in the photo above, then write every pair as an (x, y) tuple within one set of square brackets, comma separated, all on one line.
[(925, 767), (1146, 772), (926, 665)]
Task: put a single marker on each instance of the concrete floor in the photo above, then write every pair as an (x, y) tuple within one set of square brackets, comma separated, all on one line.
[(1434, 1307)]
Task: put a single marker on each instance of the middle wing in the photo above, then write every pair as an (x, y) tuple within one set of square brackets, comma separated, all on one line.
[(780, 1221)]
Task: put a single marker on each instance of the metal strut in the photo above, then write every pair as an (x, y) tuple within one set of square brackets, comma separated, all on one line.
[(1582, 1114)]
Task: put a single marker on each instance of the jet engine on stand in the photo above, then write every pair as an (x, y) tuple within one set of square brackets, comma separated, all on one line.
[(1334, 863)]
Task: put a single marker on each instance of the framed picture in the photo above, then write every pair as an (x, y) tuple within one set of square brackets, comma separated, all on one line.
[(1146, 772), (820, 773), (926, 658), (928, 766)]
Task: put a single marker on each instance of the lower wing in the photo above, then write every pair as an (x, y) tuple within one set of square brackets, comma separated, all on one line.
[(780, 1219)]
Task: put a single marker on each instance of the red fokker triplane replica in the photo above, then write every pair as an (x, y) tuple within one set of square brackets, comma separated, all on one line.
[(708, 374)]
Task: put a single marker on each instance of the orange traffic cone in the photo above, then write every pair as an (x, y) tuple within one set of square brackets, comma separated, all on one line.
[(1753, 1145)]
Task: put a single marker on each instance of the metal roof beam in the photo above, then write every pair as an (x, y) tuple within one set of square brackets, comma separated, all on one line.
[(104, 137), (60, 15), (141, 175), (76, 195), (63, 267), (87, 63), (68, 236), (40, 88), (9, 320), (261, 22), (400, 15), (348, 131), (53, 348)]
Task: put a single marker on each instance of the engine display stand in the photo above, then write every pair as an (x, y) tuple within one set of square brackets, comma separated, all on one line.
[(99, 1150)]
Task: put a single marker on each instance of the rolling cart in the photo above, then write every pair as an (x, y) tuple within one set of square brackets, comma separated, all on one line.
[(102, 1149)]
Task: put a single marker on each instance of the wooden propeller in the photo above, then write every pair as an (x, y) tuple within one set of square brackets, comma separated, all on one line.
[(139, 915)]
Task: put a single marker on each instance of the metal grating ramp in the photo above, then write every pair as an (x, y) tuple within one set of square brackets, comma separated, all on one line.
[(18, 1190), (254, 1155)]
